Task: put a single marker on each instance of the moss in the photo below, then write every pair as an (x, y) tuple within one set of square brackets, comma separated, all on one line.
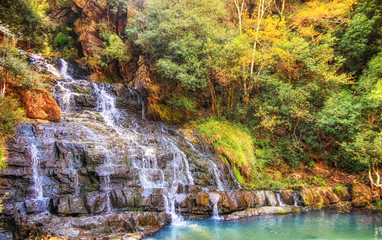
[(165, 113), (234, 145)]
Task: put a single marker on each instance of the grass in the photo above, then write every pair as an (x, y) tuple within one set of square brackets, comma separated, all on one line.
[(234, 144)]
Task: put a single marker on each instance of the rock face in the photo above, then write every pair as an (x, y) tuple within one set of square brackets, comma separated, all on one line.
[(319, 196), (109, 225), (38, 104), (103, 157), (361, 194)]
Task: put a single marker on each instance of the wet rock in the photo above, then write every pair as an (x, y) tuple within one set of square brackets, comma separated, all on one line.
[(287, 197), (318, 197), (155, 201), (6, 235), (202, 199), (71, 204), (96, 202), (271, 198), (260, 199), (37, 205), (361, 194), (269, 210), (118, 199), (92, 226), (238, 200)]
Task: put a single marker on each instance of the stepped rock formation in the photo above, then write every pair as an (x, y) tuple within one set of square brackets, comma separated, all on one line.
[(106, 171)]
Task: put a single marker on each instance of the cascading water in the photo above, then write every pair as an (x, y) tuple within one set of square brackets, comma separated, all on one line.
[(104, 145), (219, 184), (215, 211), (281, 203), (151, 176), (36, 175), (296, 199)]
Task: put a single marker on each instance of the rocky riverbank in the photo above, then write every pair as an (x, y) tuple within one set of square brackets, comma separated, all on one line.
[(104, 171)]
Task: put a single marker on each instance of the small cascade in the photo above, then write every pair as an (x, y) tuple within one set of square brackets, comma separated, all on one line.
[(106, 106), (215, 211), (296, 198), (217, 175), (281, 203), (180, 163), (62, 91), (36, 175), (64, 70), (219, 184), (140, 100), (76, 183)]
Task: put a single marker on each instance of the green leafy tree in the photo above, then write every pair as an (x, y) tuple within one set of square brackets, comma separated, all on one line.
[(184, 40)]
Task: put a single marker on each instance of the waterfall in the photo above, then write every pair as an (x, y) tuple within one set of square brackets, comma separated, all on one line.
[(64, 70), (144, 157), (281, 203), (215, 211), (35, 171), (296, 198), (217, 174), (106, 106), (62, 91)]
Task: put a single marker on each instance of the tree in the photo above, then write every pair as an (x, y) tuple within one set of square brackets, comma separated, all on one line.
[(184, 40)]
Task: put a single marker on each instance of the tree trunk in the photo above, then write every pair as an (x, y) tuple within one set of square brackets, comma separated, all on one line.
[(213, 96)]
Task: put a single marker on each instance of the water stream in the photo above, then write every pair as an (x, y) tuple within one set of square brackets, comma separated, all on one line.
[(281, 203), (38, 189), (143, 146)]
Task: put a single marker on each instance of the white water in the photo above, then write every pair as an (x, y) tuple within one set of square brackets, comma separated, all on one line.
[(296, 199), (281, 203), (106, 106), (35, 172), (145, 147), (215, 211), (62, 89), (219, 184), (150, 175)]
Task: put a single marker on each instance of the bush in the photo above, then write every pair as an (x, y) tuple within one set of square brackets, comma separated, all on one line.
[(10, 115)]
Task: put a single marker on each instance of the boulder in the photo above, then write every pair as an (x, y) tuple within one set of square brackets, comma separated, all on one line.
[(37, 205), (287, 197), (361, 194), (38, 104), (96, 202), (260, 200), (71, 204), (271, 198)]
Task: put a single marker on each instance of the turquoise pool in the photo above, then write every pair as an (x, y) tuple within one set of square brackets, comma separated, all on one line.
[(318, 225)]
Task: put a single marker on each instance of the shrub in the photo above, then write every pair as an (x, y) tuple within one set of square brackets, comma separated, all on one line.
[(10, 115)]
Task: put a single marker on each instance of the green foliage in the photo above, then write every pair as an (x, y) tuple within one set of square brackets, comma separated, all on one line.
[(16, 68), (362, 37), (25, 17), (379, 204), (118, 6), (115, 48), (10, 115), (340, 188), (233, 143), (184, 38), (182, 102), (63, 40)]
